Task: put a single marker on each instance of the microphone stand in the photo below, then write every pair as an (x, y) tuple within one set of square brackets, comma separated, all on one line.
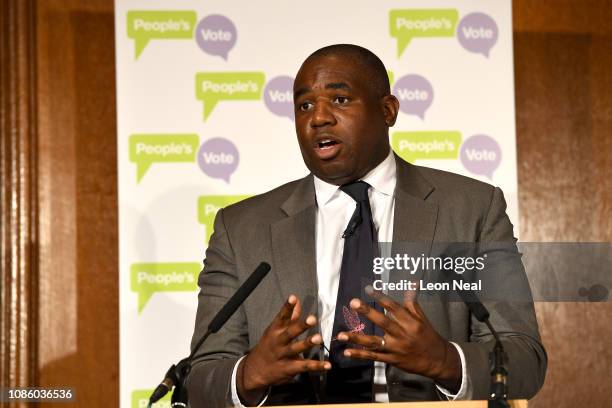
[(498, 395), (176, 376), (174, 381), (179, 394)]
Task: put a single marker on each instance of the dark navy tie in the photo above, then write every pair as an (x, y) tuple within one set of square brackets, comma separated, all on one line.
[(350, 380)]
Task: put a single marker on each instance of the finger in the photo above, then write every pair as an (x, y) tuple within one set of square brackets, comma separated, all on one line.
[(297, 310), (383, 300), (371, 342), (415, 309), (369, 355), (294, 367), (302, 346), (410, 295), (411, 304), (376, 317), (296, 328), (286, 311), (394, 310)]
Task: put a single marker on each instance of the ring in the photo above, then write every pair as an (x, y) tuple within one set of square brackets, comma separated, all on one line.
[(382, 343)]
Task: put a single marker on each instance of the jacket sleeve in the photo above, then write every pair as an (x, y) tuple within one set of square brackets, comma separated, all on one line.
[(208, 383), (511, 315)]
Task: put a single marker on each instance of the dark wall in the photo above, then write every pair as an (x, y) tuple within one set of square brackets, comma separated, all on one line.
[(563, 54), (77, 133)]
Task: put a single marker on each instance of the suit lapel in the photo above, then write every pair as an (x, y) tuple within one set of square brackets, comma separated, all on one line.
[(293, 247), (414, 217)]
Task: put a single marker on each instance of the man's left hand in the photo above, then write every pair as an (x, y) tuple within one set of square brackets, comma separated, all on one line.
[(410, 342)]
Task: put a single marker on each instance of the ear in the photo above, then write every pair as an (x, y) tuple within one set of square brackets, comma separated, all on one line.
[(390, 106)]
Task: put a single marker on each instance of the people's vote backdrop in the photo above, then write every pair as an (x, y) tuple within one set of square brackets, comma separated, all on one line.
[(205, 118)]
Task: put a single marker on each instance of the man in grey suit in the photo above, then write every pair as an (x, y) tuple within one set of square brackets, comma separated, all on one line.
[(270, 350)]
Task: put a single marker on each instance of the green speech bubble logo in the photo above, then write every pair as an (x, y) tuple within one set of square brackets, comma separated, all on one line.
[(140, 399), (209, 205), (149, 278), (426, 145), (212, 87), (146, 149), (407, 24), (146, 25)]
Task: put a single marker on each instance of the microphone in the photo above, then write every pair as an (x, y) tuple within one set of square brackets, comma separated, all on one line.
[(498, 395), (353, 224), (177, 374), (239, 297), (165, 386)]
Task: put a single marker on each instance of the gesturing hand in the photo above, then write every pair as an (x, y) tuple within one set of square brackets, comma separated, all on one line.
[(277, 358), (410, 341)]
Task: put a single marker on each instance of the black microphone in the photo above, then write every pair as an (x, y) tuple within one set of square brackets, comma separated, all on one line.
[(498, 395), (475, 305), (177, 374), (353, 224), (239, 297), (165, 386)]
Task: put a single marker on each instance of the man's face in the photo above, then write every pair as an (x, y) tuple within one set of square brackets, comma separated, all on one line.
[(340, 120)]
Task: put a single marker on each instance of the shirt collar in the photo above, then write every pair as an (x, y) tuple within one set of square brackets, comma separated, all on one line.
[(382, 178)]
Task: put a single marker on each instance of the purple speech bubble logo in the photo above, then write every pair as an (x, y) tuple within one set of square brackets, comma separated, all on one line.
[(278, 96), (415, 94), (218, 158), (481, 155), (216, 35), (477, 32)]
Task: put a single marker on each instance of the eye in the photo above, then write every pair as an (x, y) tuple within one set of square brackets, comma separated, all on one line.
[(341, 100), (306, 106)]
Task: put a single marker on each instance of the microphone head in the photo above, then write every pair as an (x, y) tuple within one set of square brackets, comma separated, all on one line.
[(474, 304), (262, 268)]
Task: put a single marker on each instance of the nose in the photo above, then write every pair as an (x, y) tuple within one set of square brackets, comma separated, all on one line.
[(322, 115)]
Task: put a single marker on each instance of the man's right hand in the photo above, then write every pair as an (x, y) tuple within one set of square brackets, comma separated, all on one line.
[(277, 358)]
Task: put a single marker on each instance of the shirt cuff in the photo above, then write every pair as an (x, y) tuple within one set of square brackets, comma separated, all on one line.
[(235, 398), (465, 391)]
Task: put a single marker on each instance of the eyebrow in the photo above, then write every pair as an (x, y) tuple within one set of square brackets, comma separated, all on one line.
[(338, 85), (300, 92), (331, 85)]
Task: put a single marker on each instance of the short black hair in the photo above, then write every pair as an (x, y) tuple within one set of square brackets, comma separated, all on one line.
[(379, 79)]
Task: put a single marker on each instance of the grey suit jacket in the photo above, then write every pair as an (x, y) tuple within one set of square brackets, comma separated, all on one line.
[(279, 227)]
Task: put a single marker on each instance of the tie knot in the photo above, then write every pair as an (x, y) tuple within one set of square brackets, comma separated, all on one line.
[(358, 190)]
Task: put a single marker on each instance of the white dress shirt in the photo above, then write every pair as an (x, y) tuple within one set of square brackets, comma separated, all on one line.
[(334, 210)]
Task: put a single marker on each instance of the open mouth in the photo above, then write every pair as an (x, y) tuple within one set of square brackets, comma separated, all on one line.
[(326, 143), (327, 148)]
